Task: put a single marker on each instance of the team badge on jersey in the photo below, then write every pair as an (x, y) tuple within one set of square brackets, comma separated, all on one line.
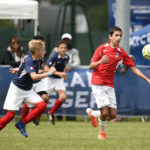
[(117, 54), (31, 68)]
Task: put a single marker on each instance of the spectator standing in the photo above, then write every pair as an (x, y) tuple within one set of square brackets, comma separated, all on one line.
[(14, 53)]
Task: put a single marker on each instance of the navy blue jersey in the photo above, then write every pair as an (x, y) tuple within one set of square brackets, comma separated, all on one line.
[(22, 78), (41, 62), (58, 62)]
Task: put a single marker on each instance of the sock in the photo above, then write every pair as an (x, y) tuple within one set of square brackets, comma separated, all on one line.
[(57, 105), (39, 116), (95, 113), (102, 126), (37, 111), (6, 119), (25, 111)]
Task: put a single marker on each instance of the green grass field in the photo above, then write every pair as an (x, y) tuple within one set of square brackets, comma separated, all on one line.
[(77, 135)]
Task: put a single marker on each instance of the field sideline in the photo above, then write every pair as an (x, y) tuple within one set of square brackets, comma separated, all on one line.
[(77, 135)]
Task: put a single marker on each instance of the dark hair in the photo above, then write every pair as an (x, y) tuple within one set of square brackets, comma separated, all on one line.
[(16, 39), (38, 37), (113, 29), (62, 42)]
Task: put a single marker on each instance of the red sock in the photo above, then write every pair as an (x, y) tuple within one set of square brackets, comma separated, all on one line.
[(39, 116), (57, 105), (37, 111), (6, 119), (25, 111)]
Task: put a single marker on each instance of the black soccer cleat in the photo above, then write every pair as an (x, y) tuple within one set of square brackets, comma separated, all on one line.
[(51, 119), (36, 122)]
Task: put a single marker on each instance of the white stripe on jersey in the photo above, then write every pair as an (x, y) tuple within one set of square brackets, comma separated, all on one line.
[(23, 73)]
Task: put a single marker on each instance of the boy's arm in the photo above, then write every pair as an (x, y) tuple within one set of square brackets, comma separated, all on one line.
[(34, 76), (61, 74), (139, 73), (13, 70)]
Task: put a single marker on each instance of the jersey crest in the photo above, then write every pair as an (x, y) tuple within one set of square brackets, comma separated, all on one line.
[(31, 68), (117, 54)]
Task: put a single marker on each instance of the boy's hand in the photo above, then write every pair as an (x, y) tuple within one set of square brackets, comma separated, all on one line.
[(52, 70), (13, 70), (104, 59)]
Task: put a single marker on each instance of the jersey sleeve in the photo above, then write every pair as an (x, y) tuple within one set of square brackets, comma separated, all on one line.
[(29, 67), (127, 60), (51, 60), (97, 54), (68, 58)]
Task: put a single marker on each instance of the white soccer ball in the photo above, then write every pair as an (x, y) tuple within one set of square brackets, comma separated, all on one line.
[(146, 51)]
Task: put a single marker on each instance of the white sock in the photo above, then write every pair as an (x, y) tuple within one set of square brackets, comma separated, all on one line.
[(102, 126), (95, 113)]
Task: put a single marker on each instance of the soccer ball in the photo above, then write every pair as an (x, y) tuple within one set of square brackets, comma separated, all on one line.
[(146, 51)]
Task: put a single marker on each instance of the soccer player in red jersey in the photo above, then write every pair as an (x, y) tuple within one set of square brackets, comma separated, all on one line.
[(103, 63)]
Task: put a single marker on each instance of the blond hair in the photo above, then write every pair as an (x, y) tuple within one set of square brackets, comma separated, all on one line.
[(35, 45)]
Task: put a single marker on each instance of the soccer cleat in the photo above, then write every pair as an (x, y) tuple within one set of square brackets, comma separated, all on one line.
[(93, 119), (102, 136), (51, 119), (21, 127), (36, 122)]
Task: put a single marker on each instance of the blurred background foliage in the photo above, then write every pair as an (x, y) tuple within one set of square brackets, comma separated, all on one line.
[(97, 12), (4, 24)]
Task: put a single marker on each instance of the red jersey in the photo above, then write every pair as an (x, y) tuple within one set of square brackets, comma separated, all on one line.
[(104, 73)]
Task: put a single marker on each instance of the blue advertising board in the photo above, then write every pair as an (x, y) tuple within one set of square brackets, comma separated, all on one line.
[(139, 12), (132, 92), (137, 41)]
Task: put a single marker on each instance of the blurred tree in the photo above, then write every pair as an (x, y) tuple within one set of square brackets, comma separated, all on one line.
[(6, 24), (98, 17), (97, 13)]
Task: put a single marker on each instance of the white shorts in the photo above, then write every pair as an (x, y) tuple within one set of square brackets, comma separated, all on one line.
[(104, 96), (16, 96), (54, 84), (39, 86)]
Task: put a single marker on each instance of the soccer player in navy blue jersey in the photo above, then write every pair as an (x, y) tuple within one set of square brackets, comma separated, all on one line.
[(20, 89), (56, 81), (38, 86)]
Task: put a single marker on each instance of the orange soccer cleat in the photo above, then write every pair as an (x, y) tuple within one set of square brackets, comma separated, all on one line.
[(93, 119), (102, 136)]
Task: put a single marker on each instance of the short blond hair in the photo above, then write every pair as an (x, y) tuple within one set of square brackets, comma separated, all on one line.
[(35, 45)]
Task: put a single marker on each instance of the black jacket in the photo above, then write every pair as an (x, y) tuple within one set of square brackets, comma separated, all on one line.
[(9, 59)]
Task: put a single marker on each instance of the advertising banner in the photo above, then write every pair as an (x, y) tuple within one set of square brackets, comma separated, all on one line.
[(139, 13), (137, 41), (132, 93)]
